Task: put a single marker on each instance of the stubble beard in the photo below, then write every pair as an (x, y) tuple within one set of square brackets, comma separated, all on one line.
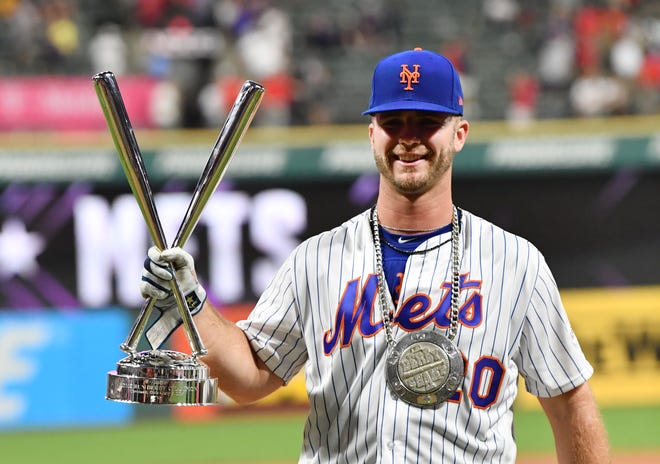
[(416, 181)]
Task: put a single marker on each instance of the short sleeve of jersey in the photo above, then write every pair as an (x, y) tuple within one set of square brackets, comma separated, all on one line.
[(551, 359), (273, 327)]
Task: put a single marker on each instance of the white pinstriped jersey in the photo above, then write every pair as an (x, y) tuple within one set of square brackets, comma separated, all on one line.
[(321, 312)]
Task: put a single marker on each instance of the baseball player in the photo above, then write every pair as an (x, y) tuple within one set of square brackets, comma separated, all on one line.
[(413, 320)]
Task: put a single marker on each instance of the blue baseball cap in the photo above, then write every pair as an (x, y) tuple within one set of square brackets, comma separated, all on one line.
[(416, 80)]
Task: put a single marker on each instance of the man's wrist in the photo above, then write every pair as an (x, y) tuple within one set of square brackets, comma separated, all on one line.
[(195, 299)]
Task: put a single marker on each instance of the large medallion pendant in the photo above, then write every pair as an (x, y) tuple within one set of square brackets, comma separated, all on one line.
[(425, 368)]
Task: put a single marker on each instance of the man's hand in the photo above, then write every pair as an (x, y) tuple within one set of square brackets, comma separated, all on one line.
[(155, 283)]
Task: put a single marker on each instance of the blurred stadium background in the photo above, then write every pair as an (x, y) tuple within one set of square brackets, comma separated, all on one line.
[(564, 99)]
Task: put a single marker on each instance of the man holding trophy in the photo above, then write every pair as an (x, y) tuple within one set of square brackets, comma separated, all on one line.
[(412, 320)]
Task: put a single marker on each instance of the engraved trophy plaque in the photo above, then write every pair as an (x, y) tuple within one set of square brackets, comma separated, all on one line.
[(165, 376)]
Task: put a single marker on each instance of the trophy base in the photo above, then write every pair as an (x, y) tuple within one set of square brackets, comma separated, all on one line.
[(162, 377)]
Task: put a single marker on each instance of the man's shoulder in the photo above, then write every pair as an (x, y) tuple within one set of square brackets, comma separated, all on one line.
[(482, 227), (349, 230)]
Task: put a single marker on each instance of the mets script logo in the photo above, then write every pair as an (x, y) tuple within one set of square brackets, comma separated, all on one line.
[(355, 311), (409, 77)]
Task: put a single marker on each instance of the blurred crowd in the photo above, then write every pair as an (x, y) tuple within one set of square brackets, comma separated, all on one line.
[(606, 55), (530, 59)]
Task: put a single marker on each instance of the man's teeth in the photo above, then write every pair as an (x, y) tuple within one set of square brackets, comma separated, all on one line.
[(411, 158)]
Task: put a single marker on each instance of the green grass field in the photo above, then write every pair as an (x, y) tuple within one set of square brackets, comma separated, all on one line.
[(260, 439)]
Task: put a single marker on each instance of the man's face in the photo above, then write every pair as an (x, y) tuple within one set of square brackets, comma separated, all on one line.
[(413, 150)]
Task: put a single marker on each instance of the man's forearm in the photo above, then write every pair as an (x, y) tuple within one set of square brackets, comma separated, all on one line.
[(578, 428), (241, 374)]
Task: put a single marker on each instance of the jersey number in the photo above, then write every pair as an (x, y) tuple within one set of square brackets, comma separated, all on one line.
[(487, 376)]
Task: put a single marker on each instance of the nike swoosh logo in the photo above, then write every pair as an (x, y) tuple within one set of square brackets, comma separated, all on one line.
[(405, 240)]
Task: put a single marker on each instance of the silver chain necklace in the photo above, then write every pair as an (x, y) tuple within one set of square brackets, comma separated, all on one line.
[(424, 368), (409, 231)]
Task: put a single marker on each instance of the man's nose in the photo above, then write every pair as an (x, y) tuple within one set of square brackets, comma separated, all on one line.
[(409, 135)]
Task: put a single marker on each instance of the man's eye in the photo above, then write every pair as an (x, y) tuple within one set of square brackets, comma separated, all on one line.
[(390, 123), (432, 122)]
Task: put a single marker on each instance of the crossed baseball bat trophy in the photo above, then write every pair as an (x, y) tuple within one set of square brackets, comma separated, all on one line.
[(166, 376)]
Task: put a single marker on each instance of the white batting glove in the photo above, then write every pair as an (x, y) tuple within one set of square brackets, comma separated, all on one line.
[(155, 283)]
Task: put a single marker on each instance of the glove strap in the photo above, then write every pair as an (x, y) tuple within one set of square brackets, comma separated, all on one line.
[(169, 318)]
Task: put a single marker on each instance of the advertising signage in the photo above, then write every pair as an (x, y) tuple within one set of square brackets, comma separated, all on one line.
[(83, 245), (54, 366)]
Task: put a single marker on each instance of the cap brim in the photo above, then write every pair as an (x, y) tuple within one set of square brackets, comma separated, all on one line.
[(411, 105)]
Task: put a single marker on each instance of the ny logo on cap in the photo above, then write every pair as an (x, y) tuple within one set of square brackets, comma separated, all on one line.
[(409, 77)]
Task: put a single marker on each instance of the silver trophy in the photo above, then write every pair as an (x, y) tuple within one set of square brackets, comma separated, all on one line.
[(165, 376)]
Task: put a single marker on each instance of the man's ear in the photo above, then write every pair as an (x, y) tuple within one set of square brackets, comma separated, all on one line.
[(371, 132), (460, 134)]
